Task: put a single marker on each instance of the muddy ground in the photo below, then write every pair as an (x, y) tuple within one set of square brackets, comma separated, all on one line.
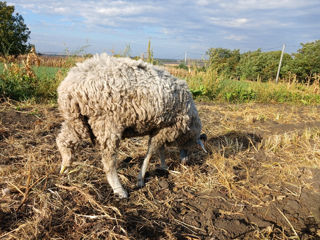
[(260, 180)]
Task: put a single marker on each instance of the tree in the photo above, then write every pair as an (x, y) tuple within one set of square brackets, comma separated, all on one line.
[(14, 34), (224, 61), (306, 62), (254, 65)]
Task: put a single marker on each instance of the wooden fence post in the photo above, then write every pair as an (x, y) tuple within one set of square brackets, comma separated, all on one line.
[(277, 78)]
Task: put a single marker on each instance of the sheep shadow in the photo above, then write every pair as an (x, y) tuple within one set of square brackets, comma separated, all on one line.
[(234, 142), (152, 172), (227, 145)]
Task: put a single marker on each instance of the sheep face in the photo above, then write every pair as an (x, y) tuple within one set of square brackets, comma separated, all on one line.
[(184, 149), (191, 138)]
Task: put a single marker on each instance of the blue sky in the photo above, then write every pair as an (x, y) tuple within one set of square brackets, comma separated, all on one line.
[(174, 27)]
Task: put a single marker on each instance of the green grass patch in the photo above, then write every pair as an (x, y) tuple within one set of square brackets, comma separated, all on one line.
[(17, 83), (209, 86)]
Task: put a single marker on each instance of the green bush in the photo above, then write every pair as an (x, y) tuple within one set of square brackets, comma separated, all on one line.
[(40, 83), (182, 66), (224, 61), (16, 84), (258, 65), (306, 61), (210, 86)]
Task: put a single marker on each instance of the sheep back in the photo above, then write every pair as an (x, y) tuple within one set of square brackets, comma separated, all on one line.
[(124, 94)]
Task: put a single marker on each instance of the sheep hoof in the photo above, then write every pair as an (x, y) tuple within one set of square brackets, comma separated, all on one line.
[(140, 183), (184, 161), (121, 194), (64, 169), (164, 167)]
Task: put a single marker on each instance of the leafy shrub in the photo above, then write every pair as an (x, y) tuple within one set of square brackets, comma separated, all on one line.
[(210, 86), (306, 61), (20, 83), (183, 66), (240, 94), (16, 83), (258, 65), (224, 61)]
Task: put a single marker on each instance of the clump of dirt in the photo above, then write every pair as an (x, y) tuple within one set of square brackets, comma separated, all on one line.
[(260, 180)]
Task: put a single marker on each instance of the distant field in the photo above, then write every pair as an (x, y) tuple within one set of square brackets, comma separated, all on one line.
[(43, 72)]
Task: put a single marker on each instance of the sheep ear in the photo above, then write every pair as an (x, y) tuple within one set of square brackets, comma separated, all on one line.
[(201, 145)]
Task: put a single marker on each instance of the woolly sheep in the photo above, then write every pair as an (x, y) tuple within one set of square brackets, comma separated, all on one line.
[(109, 99)]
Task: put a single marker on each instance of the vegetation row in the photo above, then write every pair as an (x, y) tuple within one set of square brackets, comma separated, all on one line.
[(228, 75)]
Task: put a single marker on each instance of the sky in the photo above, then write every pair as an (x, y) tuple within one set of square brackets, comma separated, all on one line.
[(175, 28)]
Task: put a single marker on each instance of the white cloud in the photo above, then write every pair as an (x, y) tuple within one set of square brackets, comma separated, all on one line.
[(175, 22), (229, 22), (166, 31), (203, 2), (125, 10), (235, 37), (60, 10), (238, 5)]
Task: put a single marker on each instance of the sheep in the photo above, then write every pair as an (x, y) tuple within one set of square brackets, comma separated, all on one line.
[(108, 99)]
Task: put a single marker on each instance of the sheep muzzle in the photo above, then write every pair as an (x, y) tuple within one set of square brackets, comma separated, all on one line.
[(202, 138)]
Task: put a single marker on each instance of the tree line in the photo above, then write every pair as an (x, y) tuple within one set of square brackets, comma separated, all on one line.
[(304, 65)]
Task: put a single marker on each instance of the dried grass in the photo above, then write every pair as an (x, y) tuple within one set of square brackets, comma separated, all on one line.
[(263, 159)]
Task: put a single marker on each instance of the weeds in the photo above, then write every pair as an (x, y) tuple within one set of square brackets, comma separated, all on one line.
[(17, 83), (209, 85), (24, 78), (34, 77)]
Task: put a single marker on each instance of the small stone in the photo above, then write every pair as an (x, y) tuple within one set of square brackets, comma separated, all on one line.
[(163, 184), (5, 191)]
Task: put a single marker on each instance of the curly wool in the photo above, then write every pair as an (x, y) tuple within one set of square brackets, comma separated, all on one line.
[(119, 93), (110, 98)]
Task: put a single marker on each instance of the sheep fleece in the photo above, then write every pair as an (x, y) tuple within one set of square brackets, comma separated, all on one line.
[(124, 98)]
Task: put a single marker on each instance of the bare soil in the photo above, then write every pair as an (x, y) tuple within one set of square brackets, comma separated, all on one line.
[(260, 180)]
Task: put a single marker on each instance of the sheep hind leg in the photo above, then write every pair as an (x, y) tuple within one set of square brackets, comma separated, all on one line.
[(109, 161), (68, 138)]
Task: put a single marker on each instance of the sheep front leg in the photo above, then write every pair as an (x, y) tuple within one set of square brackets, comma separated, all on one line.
[(142, 173), (145, 166), (184, 156), (109, 165), (153, 145)]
